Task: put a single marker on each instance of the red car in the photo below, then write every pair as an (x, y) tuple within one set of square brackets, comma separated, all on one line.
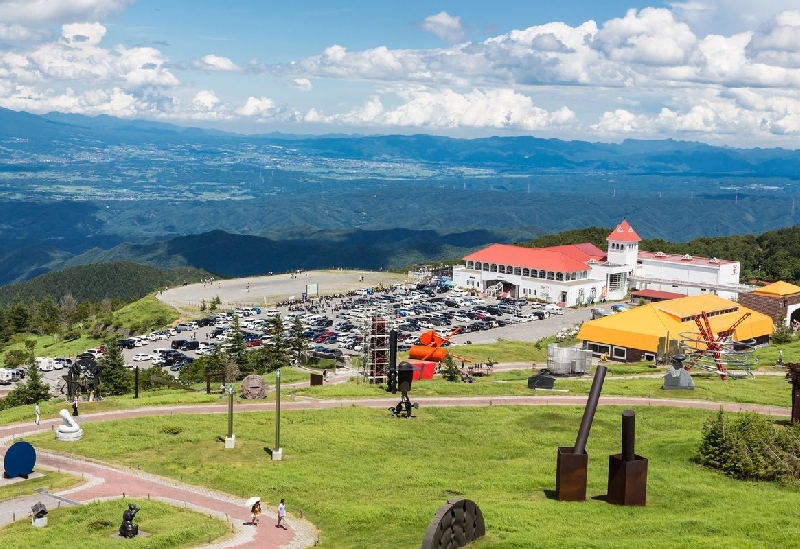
[(253, 342)]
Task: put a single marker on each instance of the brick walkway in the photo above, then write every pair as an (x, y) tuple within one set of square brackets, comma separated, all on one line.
[(105, 481)]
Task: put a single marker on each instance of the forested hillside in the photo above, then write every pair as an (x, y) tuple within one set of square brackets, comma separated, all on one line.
[(121, 281), (773, 255)]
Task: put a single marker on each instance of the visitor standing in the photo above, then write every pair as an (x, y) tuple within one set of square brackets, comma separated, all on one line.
[(75, 407), (36, 411), (281, 515)]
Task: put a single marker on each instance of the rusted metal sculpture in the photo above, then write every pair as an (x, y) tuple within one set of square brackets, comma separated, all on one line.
[(793, 375), (455, 524), (573, 461), (627, 472)]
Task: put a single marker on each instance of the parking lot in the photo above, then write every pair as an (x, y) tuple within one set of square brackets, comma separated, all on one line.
[(345, 311)]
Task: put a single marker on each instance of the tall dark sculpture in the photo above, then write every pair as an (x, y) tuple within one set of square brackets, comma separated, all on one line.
[(793, 375), (573, 461), (400, 378), (128, 529), (83, 377), (627, 472)]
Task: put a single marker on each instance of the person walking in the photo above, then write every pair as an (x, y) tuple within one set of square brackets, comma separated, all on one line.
[(255, 512), (36, 411), (281, 515)]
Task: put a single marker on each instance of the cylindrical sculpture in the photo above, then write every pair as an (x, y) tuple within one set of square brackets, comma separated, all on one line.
[(627, 472), (573, 462)]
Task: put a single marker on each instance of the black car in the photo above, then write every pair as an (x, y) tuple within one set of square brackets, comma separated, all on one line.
[(190, 346), (126, 343), (178, 343)]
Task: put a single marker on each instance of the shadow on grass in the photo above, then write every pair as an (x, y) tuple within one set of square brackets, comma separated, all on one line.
[(601, 497), (268, 450)]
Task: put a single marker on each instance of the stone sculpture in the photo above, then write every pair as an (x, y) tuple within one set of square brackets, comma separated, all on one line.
[(254, 387), (69, 430), (39, 515)]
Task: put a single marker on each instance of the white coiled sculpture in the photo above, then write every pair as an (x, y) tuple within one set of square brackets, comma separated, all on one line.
[(69, 430)]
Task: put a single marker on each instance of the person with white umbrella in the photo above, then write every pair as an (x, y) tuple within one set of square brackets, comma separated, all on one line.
[(254, 504)]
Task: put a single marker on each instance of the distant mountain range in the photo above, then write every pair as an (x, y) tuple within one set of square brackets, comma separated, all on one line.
[(77, 190)]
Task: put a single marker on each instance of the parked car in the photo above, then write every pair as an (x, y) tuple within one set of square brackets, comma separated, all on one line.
[(192, 345), (178, 343), (553, 309), (183, 327), (139, 357), (599, 312), (126, 343)]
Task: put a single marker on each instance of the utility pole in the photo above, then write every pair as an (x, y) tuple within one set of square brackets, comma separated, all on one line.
[(277, 452)]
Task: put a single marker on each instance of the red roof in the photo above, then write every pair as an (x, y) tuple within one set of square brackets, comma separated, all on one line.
[(546, 259), (580, 252), (655, 294), (624, 233)]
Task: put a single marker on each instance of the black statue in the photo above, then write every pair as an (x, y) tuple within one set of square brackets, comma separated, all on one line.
[(128, 529)]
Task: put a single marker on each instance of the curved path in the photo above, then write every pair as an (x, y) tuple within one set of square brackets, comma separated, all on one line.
[(106, 481)]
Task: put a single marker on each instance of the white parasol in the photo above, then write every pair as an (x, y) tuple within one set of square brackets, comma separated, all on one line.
[(252, 501)]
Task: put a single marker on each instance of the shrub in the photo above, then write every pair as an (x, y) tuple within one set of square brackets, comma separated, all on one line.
[(171, 430), (750, 447)]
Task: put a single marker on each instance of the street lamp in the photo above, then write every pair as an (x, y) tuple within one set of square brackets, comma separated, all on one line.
[(230, 440), (277, 452)]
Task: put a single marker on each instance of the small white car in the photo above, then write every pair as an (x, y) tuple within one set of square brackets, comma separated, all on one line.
[(139, 357), (553, 309)]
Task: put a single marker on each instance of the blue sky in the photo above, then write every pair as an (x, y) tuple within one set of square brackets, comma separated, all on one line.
[(723, 71)]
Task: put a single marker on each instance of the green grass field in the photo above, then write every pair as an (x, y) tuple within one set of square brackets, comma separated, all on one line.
[(367, 479), (92, 526), (51, 481)]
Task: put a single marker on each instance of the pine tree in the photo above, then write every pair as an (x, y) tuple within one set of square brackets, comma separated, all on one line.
[(115, 378), (297, 343)]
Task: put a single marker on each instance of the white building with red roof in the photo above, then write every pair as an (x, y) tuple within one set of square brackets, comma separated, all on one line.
[(573, 274)]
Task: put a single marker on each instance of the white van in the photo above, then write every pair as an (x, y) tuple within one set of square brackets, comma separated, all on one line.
[(6, 376), (44, 364)]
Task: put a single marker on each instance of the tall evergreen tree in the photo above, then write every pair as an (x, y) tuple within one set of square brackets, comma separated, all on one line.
[(115, 378), (297, 343)]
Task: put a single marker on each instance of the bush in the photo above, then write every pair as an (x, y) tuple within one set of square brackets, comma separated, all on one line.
[(750, 447)]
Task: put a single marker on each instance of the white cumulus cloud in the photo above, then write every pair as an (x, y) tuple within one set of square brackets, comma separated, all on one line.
[(257, 106), (59, 11), (447, 27), (212, 62), (302, 84), (497, 108)]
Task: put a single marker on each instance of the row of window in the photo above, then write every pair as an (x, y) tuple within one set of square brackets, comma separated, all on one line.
[(524, 271), (619, 246)]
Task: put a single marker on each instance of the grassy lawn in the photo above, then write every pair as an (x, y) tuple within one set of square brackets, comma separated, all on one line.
[(768, 390), (368, 479), (95, 524), (51, 481), (147, 312), (46, 345)]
